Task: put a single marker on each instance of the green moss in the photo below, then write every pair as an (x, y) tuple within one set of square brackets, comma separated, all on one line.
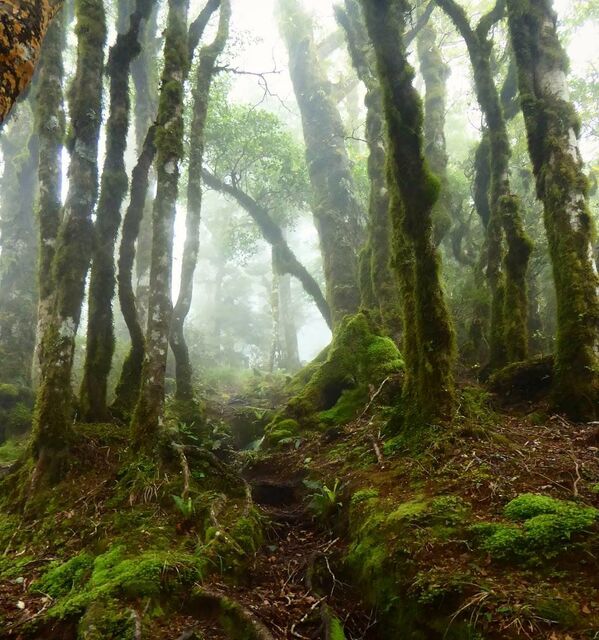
[(11, 451), (546, 528), (62, 578), (363, 495), (107, 620), (335, 387)]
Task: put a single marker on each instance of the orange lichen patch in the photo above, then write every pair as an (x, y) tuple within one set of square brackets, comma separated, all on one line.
[(23, 25)]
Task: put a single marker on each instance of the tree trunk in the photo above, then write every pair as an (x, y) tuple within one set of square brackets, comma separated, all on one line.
[(18, 290), (50, 127), (201, 96), (552, 129), (23, 28), (506, 273), (52, 420), (291, 358), (100, 325), (148, 415), (379, 288), (431, 353), (337, 212), (276, 350)]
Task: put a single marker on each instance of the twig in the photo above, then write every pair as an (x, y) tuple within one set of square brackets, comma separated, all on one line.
[(137, 621), (373, 398), (578, 478), (377, 451)]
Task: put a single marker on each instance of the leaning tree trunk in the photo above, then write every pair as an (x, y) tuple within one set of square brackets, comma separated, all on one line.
[(506, 274), (23, 28), (416, 190), (100, 325), (553, 142), (273, 234), (52, 419), (378, 285), (50, 127), (148, 415), (201, 96), (18, 291), (337, 212)]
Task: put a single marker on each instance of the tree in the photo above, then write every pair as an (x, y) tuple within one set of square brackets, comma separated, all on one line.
[(506, 273), (201, 97), (553, 143), (414, 190), (148, 415), (337, 212), (114, 184), (379, 288), (52, 430)]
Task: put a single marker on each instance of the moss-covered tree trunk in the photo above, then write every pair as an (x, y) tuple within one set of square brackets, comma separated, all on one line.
[(435, 72), (50, 127), (23, 27), (201, 96), (378, 284), (415, 190), (148, 414), (52, 418), (506, 273), (553, 131), (337, 212), (18, 290), (100, 324), (276, 345)]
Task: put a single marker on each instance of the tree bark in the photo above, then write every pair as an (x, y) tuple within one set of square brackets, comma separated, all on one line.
[(148, 416), (337, 212), (52, 430), (506, 272), (291, 358), (553, 142), (114, 185), (201, 96), (414, 194), (23, 28), (50, 127), (379, 287)]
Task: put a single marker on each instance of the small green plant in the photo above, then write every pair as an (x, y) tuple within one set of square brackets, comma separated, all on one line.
[(325, 502), (185, 506)]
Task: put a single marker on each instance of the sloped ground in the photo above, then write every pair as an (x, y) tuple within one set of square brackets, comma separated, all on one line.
[(485, 529)]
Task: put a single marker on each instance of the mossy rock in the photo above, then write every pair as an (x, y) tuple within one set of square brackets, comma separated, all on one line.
[(524, 381), (280, 432), (337, 385)]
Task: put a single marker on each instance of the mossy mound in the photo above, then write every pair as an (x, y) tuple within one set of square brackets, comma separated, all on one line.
[(338, 384), (529, 381), (539, 528)]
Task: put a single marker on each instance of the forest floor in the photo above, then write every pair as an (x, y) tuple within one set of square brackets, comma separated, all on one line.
[(351, 505)]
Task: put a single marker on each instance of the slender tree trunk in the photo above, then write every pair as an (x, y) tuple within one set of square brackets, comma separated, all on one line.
[(272, 233), (435, 73), (276, 348), (100, 326), (337, 212), (50, 127), (506, 273), (148, 415), (52, 420), (379, 287), (553, 142), (201, 95), (23, 28), (291, 359), (417, 190), (18, 290)]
